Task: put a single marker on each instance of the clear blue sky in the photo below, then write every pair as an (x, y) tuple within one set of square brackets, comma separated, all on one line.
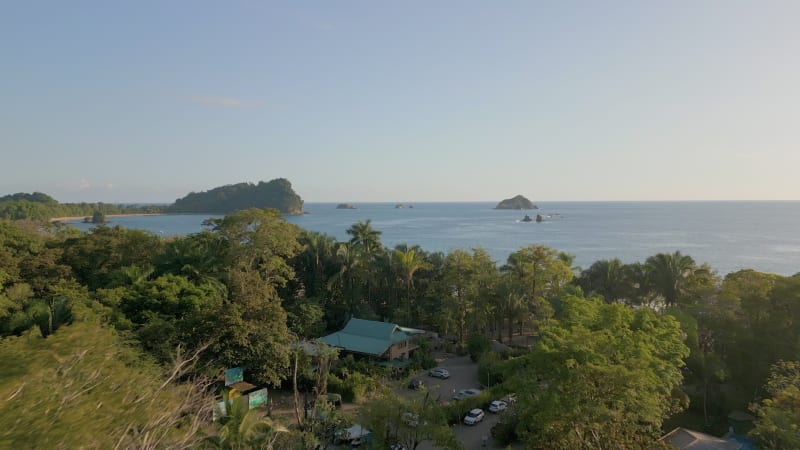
[(402, 101)]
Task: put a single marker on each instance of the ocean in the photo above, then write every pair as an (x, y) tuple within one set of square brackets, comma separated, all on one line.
[(730, 236)]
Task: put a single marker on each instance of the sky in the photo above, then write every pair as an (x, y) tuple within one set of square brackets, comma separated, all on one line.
[(358, 101)]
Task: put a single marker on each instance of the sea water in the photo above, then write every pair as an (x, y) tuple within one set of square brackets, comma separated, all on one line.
[(729, 236)]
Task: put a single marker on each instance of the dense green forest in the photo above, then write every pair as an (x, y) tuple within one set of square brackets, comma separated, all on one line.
[(115, 338), (39, 206), (277, 194)]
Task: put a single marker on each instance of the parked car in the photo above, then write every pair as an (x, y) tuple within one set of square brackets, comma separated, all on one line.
[(416, 384), (497, 406), (474, 416), (465, 393), (439, 372)]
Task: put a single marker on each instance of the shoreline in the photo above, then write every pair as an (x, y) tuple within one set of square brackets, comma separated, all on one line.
[(108, 216)]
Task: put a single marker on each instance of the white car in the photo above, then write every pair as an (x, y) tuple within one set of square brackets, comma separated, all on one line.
[(474, 416), (497, 406), (439, 372)]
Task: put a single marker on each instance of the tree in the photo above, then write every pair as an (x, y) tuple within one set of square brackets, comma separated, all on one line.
[(243, 428), (670, 275), (408, 422), (251, 330), (98, 217), (465, 277), (366, 242), (606, 278), (778, 423), (199, 257), (408, 263), (82, 387), (603, 377), (538, 273), (365, 238), (313, 262), (96, 255)]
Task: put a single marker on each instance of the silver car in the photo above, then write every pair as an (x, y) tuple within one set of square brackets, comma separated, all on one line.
[(439, 372)]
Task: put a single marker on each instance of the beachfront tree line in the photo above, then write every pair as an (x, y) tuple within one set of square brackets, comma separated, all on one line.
[(113, 316), (39, 206)]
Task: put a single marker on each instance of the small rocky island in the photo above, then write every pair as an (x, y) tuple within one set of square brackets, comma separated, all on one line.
[(345, 206), (518, 202)]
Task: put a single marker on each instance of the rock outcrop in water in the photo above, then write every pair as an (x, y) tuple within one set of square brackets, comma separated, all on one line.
[(518, 202), (345, 206)]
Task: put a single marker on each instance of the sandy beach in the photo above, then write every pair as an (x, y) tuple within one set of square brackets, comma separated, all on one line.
[(108, 216)]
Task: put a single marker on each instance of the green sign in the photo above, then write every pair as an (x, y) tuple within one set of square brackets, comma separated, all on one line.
[(257, 399)]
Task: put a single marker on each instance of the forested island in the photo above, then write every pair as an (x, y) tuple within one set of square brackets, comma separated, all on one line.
[(116, 337), (277, 194)]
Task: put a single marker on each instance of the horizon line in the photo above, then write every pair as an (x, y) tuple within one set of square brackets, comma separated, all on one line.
[(412, 202)]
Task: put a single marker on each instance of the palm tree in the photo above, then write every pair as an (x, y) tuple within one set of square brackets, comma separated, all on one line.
[(606, 277), (245, 428), (669, 275), (198, 258), (408, 263), (367, 243), (364, 237), (317, 250)]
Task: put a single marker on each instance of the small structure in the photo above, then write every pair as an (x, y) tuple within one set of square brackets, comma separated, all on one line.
[(378, 339), (685, 439)]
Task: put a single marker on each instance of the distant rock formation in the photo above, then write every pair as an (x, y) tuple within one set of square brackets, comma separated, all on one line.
[(277, 194), (527, 218), (345, 206), (539, 218), (399, 206), (518, 202)]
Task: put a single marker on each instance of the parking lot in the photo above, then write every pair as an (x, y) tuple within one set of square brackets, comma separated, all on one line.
[(463, 375)]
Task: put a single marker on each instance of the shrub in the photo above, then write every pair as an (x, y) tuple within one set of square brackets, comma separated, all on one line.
[(491, 370), (478, 345), (421, 358), (505, 431)]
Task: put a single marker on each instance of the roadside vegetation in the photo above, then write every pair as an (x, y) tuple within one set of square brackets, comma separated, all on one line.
[(116, 338)]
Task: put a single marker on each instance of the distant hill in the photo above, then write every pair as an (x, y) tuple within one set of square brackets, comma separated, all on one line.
[(517, 202), (277, 194)]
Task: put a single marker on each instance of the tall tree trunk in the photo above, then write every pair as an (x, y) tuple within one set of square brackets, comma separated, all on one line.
[(296, 392)]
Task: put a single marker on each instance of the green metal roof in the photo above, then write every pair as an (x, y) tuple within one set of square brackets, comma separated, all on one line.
[(366, 336)]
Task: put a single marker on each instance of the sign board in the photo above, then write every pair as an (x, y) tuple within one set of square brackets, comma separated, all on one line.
[(219, 411), (234, 375), (257, 399)]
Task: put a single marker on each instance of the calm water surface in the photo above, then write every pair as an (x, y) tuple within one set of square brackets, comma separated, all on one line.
[(728, 235)]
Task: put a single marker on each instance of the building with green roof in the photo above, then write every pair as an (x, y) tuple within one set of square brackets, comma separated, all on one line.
[(378, 339)]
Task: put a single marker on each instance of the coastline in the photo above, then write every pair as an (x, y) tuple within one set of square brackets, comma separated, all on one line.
[(108, 216)]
